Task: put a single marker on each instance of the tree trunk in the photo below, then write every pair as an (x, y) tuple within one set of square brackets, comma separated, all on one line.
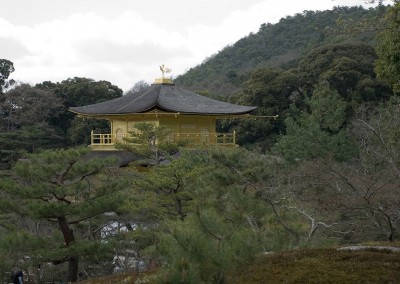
[(179, 210), (69, 238), (73, 268)]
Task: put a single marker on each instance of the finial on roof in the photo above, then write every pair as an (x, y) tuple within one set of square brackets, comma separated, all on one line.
[(164, 80), (164, 69)]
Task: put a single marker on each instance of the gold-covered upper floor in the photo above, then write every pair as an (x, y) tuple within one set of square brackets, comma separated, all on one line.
[(101, 142)]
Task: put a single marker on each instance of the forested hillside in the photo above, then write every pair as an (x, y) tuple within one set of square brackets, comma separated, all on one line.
[(281, 45)]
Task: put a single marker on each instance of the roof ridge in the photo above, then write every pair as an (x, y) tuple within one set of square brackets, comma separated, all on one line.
[(151, 87), (157, 104)]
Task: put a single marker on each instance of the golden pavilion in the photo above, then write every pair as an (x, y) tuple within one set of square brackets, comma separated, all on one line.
[(188, 115)]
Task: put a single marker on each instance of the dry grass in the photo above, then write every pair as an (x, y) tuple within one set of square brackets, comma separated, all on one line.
[(322, 266), (305, 266), (126, 278)]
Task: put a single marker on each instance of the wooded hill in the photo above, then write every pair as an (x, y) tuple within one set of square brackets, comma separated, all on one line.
[(281, 45)]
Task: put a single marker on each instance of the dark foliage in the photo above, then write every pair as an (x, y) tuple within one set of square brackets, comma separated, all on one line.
[(281, 45), (79, 92)]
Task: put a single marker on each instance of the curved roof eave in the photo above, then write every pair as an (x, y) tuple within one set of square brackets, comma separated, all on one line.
[(166, 97)]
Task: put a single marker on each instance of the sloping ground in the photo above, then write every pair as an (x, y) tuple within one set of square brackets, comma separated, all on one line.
[(323, 266), (112, 279), (127, 278), (305, 266)]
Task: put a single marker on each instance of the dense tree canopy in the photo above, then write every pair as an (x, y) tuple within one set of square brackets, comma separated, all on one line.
[(272, 90), (349, 69), (79, 92), (388, 49), (60, 187), (6, 68), (28, 106), (281, 45), (319, 131), (25, 122), (82, 91), (138, 86), (38, 117), (150, 142)]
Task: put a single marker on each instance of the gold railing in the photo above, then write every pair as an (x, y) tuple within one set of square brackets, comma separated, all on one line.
[(101, 139), (228, 139), (206, 139)]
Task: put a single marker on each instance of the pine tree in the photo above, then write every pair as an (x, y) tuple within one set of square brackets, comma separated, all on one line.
[(222, 231), (159, 194), (320, 131), (150, 142), (68, 189)]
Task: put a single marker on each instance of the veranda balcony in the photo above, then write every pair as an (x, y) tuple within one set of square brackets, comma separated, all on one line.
[(106, 141)]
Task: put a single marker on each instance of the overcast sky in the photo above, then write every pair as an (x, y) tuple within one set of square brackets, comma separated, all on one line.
[(125, 41)]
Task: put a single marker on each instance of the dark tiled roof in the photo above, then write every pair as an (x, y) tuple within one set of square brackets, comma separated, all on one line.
[(167, 97)]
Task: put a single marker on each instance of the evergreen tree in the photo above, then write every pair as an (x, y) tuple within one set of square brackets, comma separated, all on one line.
[(388, 49), (320, 131), (170, 187), (6, 68), (358, 198), (150, 142), (349, 69), (25, 116), (270, 89), (223, 230), (68, 189), (79, 92), (159, 194)]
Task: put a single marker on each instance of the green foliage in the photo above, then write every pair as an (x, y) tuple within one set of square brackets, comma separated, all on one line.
[(224, 229), (6, 68), (82, 91), (27, 139), (270, 89), (170, 187), (150, 141), (138, 86), (25, 122), (63, 187), (161, 193), (34, 118), (388, 49), (355, 192), (349, 69), (79, 133), (358, 25), (319, 132), (270, 181), (27, 106), (281, 45), (78, 92), (379, 135), (213, 240)]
